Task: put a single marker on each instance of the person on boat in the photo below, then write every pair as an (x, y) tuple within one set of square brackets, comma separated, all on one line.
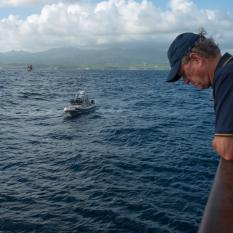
[(29, 67), (198, 60)]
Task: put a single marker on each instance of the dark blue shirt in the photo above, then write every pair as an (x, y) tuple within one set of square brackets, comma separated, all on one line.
[(223, 96)]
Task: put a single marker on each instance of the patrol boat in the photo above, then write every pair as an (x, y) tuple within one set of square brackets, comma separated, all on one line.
[(80, 104)]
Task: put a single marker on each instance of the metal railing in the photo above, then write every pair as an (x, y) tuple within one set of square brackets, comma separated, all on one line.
[(218, 214)]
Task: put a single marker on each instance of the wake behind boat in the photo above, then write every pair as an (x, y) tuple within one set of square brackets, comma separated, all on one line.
[(80, 104)]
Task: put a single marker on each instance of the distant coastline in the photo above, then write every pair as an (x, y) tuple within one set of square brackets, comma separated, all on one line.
[(20, 66), (89, 59)]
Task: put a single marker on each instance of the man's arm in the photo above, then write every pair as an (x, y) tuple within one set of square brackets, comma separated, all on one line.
[(224, 146)]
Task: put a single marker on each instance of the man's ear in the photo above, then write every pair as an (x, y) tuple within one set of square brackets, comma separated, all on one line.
[(195, 57)]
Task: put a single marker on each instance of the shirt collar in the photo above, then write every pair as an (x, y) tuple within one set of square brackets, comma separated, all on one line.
[(223, 60)]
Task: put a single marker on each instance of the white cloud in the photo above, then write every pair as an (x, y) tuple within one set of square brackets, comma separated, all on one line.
[(107, 22)]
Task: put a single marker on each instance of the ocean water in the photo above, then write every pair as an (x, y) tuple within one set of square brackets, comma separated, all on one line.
[(141, 163)]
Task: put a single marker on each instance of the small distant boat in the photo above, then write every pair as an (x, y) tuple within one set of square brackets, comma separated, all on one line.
[(29, 67), (80, 104)]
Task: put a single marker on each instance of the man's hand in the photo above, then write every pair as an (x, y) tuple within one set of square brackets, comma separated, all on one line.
[(224, 146)]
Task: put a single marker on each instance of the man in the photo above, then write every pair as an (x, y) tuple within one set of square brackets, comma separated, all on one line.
[(198, 61)]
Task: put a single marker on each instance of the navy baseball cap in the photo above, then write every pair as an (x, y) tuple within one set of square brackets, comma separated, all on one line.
[(177, 50)]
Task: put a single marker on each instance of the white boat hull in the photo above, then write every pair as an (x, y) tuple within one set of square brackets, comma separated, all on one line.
[(77, 110)]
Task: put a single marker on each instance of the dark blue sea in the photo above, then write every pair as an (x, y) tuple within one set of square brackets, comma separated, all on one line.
[(141, 163)]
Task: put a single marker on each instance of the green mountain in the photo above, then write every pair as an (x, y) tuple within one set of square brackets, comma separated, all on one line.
[(87, 57)]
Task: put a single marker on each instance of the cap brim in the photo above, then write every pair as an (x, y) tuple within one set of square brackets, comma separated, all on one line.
[(173, 75)]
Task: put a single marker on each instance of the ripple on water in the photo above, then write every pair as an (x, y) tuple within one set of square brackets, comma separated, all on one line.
[(141, 162)]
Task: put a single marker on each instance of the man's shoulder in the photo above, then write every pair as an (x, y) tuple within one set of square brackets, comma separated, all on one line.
[(224, 74), (223, 82)]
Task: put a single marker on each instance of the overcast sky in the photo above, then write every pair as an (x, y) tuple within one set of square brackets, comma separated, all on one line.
[(37, 25)]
